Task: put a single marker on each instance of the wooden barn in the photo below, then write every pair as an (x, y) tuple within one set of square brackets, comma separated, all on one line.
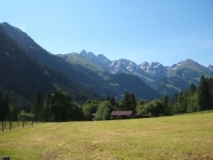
[(121, 114)]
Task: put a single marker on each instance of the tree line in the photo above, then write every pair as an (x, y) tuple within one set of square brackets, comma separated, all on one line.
[(58, 106), (193, 99)]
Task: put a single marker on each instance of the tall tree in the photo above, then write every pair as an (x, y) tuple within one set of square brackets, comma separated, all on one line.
[(61, 106), (46, 110), (182, 102), (4, 106), (129, 102), (203, 94), (210, 84), (192, 88), (167, 109), (37, 105), (157, 108), (140, 106)]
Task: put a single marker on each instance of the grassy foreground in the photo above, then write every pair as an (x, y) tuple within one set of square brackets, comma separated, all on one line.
[(187, 136)]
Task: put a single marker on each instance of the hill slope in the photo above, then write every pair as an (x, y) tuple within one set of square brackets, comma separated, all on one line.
[(115, 85), (165, 80), (96, 80), (23, 74), (181, 75)]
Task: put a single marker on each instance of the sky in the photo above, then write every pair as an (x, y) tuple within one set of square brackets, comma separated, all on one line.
[(164, 31)]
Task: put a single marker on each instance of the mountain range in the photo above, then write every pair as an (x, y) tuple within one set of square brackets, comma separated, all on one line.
[(164, 79), (84, 82), (22, 74), (26, 67)]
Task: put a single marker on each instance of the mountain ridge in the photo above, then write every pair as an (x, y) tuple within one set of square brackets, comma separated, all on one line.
[(97, 72), (23, 74), (187, 71), (100, 82)]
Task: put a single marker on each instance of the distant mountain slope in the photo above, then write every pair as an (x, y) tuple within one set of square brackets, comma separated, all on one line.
[(181, 75), (99, 60), (171, 85), (111, 84), (210, 67), (126, 82), (71, 71), (150, 73), (81, 71), (75, 58), (191, 68), (165, 80), (154, 70), (118, 66), (23, 74)]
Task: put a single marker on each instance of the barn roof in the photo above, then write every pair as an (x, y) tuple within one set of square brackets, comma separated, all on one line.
[(121, 113)]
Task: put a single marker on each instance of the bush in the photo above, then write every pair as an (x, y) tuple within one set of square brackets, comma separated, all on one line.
[(103, 111)]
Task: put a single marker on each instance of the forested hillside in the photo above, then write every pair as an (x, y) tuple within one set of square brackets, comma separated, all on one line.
[(23, 74), (83, 76)]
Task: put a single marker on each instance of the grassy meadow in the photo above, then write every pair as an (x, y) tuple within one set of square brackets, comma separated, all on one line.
[(188, 136)]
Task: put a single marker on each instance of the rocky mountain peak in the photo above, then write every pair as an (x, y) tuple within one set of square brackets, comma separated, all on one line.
[(88, 55), (175, 66), (189, 60), (144, 65), (101, 56), (147, 67), (83, 53), (155, 65), (91, 54), (13, 30), (126, 62), (103, 59), (210, 67)]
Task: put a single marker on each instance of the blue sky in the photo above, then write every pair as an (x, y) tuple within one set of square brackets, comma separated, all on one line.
[(165, 31)]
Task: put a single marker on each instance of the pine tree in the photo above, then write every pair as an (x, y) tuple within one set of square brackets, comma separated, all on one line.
[(46, 110), (210, 84), (129, 102), (166, 109), (37, 105), (4, 106), (203, 94), (61, 106), (192, 88)]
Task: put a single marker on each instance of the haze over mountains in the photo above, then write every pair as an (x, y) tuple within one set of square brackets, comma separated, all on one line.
[(86, 75)]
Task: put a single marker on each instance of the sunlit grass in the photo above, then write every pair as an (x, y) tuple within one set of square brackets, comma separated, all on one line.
[(187, 136)]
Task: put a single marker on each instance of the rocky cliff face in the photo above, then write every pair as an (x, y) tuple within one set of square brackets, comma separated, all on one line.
[(210, 67)]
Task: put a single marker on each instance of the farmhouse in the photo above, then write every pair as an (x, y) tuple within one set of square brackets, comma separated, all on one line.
[(121, 114)]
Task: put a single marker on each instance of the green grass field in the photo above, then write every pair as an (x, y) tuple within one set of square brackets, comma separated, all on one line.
[(188, 136)]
